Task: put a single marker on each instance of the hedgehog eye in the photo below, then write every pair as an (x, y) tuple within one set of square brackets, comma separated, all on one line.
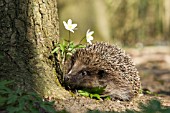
[(84, 73), (101, 73)]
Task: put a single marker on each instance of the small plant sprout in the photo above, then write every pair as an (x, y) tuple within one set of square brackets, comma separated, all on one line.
[(69, 26), (89, 36), (65, 48)]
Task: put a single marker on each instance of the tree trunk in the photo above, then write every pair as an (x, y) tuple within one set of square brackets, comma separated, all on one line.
[(28, 29), (166, 18)]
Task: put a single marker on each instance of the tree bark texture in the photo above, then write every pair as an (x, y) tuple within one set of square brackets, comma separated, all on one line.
[(28, 29)]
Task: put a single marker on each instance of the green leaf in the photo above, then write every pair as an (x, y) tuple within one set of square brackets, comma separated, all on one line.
[(73, 47), (3, 87), (25, 112), (12, 109), (12, 99), (149, 92), (33, 110), (19, 92), (62, 47), (107, 98), (64, 43), (80, 46), (55, 50), (71, 43), (30, 105), (49, 103), (4, 83), (2, 100), (48, 108), (1, 56), (83, 93), (35, 96), (97, 96), (95, 90), (22, 102), (63, 111), (5, 91)]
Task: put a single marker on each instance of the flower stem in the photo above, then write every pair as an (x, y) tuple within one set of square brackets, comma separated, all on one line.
[(81, 40), (69, 37)]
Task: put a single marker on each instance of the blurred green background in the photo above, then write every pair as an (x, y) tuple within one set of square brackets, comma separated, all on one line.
[(123, 22)]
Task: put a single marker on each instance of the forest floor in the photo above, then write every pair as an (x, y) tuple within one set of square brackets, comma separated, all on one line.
[(153, 64)]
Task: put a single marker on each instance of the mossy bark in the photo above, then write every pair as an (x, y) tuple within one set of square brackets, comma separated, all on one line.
[(28, 29)]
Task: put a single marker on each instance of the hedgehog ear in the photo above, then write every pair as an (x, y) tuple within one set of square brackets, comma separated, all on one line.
[(101, 73)]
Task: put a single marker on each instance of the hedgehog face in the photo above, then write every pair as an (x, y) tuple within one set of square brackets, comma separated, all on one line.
[(84, 76)]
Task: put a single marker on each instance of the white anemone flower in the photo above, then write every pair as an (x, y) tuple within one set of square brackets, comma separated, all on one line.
[(89, 36), (69, 26)]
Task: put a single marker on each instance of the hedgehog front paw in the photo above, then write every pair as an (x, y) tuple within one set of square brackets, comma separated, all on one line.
[(126, 96)]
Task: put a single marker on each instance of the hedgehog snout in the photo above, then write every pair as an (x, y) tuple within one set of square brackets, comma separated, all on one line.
[(70, 78), (66, 78)]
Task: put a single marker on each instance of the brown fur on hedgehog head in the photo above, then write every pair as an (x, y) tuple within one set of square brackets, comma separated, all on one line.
[(103, 65)]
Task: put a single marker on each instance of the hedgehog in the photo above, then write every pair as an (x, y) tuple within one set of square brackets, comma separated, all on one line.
[(103, 65)]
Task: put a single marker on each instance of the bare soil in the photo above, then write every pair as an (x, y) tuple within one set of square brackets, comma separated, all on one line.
[(153, 64)]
